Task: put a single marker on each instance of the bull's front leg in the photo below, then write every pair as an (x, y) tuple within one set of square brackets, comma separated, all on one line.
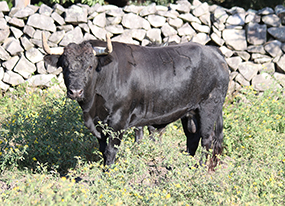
[(110, 149)]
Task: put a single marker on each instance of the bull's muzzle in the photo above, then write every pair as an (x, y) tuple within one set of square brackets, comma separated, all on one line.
[(75, 93)]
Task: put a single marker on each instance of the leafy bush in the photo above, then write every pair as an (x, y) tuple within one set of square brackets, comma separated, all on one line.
[(61, 165)]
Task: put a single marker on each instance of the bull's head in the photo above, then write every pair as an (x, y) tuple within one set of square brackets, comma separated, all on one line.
[(79, 62)]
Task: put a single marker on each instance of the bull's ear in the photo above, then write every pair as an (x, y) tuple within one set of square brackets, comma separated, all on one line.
[(105, 60), (52, 60)]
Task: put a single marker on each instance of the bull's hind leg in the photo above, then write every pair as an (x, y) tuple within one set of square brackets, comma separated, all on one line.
[(192, 132), (211, 126)]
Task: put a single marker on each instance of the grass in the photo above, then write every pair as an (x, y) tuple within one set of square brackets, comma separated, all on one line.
[(48, 157)]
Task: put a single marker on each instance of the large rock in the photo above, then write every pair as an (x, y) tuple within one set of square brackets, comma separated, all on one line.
[(248, 70), (4, 7), (24, 13), (280, 78), (13, 78), (273, 48), (186, 30), (74, 35), (25, 68), (13, 47), (263, 82), (271, 20), (201, 9), (41, 22), (256, 33), (100, 20), (281, 63), (154, 35), (168, 30), (133, 21), (41, 80), (98, 32), (278, 33), (235, 39), (3, 54), (34, 55), (156, 21), (76, 14)]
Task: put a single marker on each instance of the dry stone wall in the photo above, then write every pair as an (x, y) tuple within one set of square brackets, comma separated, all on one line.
[(253, 42)]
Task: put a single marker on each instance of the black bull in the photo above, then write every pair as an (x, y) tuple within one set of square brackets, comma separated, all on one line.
[(133, 86)]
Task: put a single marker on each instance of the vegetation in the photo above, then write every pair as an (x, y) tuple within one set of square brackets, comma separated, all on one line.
[(47, 157)]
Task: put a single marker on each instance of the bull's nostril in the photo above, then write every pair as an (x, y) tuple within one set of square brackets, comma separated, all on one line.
[(75, 93)]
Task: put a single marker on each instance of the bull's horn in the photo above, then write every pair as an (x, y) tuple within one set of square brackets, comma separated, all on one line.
[(104, 50), (48, 50)]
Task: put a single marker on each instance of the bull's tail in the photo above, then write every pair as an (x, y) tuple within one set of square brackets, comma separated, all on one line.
[(217, 142)]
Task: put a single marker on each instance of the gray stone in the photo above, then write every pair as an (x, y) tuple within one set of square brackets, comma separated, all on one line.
[(280, 12), (74, 35), (16, 22), (156, 21), (38, 34), (186, 30), (41, 22), (17, 33), (168, 14), (4, 34), (240, 79), (59, 9), (281, 63), (25, 68), (133, 21), (13, 47), (4, 7), (57, 18), (236, 19), (227, 52), (13, 78), (201, 38), (252, 17), (113, 20), (273, 48), (266, 11), (25, 42), (235, 39), (3, 23), (66, 28), (219, 26), (4, 54), (220, 15), (201, 9), (154, 35), (115, 12), (4, 86), (151, 9), (76, 14), (98, 32), (41, 80), (268, 67), (45, 10), (173, 38), (10, 64), (29, 31), (248, 70), (176, 23), (146, 42), (133, 9), (200, 28), (183, 6), (263, 82), (261, 58), (115, 29), (256, 49), (271, 20), (100, 20), (138, 34), (168, 30), (278, 33), (41, 67), (280, 78), (34, 55), (1, 73), (283, 47), (189, 18), (243, 54), (206, 19), (217, 39), (126, 37), (57, 36), (24, 13), (256, 33), (234, 62)]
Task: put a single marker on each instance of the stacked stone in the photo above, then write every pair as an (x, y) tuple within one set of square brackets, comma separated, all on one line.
[(252, 41)]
